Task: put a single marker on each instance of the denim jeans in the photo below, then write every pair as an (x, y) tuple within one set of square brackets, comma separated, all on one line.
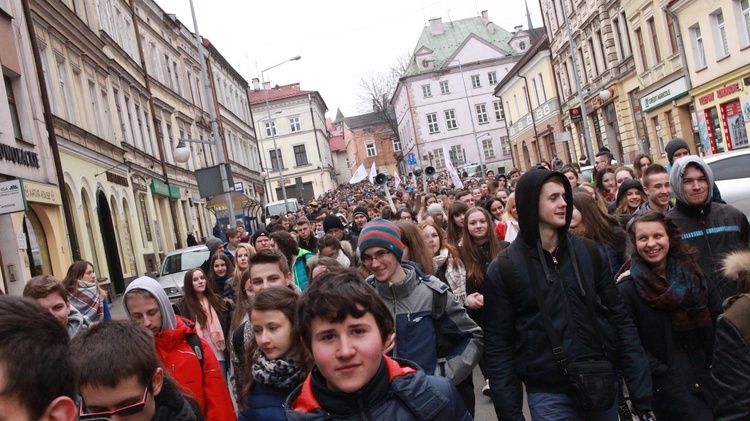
[(559, 407)]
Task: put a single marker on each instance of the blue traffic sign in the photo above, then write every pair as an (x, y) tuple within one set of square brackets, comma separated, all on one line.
[(411, 159)]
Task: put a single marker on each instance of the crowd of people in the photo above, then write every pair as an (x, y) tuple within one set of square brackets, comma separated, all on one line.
[(624, 296)]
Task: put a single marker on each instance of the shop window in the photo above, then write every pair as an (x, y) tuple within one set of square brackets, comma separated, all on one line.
[(36, 244)]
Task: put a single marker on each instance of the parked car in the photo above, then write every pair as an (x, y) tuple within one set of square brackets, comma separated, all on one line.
[(732, 175), (175, 265)]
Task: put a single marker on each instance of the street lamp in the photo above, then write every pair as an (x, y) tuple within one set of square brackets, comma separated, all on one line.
[(468, 105), (182, 153), (273, 128)]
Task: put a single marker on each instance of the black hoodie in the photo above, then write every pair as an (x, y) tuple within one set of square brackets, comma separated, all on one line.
[(516, 343)]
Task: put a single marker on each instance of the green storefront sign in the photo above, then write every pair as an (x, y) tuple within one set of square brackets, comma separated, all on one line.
[(161, 188)]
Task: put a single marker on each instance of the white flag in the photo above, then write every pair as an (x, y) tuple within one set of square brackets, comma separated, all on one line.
[(398, 180), (451, 169), (373, 172), (359, 175)]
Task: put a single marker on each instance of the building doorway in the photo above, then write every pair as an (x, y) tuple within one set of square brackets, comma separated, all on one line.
[(36, 244), (109, 238)]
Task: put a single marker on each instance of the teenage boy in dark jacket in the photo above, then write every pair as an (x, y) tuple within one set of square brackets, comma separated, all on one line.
[(517, 345), (347, 328), (120, 371)]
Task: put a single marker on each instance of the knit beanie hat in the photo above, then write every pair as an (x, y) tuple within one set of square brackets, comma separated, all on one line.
[(673, 146), (627, 185), (257, 234), (381, 233), (332, 221), (435, 208), (213, 244), (362, 210)]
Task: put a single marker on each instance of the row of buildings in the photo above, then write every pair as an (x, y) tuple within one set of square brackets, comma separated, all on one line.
[(650, 71), (99, 96)]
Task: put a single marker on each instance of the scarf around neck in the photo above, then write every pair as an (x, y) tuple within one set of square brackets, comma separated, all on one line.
[(683, 294), (212, 331), (87, 300), (455, 274), (284, 373)]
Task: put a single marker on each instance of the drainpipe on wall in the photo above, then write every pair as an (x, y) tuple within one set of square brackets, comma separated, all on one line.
[(75, 249)]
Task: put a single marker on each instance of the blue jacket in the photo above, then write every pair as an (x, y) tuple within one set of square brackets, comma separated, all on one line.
[(264, 404), (399, 391)]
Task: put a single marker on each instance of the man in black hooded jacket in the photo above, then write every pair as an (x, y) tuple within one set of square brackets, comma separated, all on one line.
[(517, 345)]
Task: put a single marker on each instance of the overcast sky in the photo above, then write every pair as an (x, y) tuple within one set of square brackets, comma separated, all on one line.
[(339, 40)]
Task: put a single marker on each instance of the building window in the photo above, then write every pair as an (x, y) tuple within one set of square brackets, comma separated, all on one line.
[(536, 92), (300, 155), (294, 124), (499, 113), (475, 81), (450, 119), (641, 48), (62, 75), (444, 87), (432, 123), (602, 48), (505, 145), (492, 76), (270, 128), (438, 159), (582, 67), (482, 113), (276, 159), (457, 155), (426, 91), (671, 124), (654, 40), (592, 57), (722, 43), (744, 23), (13, 108), (541, 82), (671, 31), (489, 149), (698, 51), (371, 150), (396, 143)]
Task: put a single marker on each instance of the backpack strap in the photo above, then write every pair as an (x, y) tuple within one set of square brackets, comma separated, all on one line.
[(194, 341)]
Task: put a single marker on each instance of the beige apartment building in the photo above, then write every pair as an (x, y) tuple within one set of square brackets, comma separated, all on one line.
[(716, 36), (532, 109)]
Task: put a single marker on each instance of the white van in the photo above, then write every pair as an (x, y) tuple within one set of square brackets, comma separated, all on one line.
[(276, 208)]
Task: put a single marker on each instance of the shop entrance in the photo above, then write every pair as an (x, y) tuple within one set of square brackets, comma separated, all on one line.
[(109, 238), (36, 244)]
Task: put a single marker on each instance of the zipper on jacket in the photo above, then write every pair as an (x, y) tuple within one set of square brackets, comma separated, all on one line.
[(395, 303), (705, 234)]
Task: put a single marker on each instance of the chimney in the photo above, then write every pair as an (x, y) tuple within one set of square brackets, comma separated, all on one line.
[(256, 84), (486, 21), (436, 26), (266, 86), (517, 28)]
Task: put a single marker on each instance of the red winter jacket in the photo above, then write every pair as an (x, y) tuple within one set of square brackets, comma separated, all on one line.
[(208, 387)]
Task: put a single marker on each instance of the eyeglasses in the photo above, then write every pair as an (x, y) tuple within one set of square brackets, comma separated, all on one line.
[(125, 411), (379, 256)]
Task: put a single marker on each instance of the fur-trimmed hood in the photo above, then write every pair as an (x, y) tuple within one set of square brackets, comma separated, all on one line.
[(736, 266)]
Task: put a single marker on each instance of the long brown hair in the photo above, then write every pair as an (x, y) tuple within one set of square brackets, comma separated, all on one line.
[(418, 250), (471, 249), (454, 231), (193, 307), (452, 251), (599, 225), (285, 301), (211, 275), (76, 272), (244, 305)]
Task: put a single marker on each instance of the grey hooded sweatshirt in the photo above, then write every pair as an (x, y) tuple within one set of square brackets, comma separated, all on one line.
[(713, 228), (168, 321)]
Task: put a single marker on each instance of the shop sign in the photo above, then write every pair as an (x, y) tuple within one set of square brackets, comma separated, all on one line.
[(117, 179), (729, 90), (239, 186), (665, 94), (734, 125), (42, 193), (161, 188), (575, 114), (19, 156), (746, 110), (705, 99), (12, 198)]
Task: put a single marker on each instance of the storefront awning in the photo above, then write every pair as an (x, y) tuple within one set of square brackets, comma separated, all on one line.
[(238, 200)]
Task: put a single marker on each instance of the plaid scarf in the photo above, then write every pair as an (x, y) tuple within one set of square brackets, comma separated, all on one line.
[(87, 300), (684, 293)]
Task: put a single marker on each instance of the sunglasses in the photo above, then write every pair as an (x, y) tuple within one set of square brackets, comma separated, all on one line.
[(125, 411)]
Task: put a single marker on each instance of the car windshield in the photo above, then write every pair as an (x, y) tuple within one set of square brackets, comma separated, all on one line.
[(184, 261), (279, 208)]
